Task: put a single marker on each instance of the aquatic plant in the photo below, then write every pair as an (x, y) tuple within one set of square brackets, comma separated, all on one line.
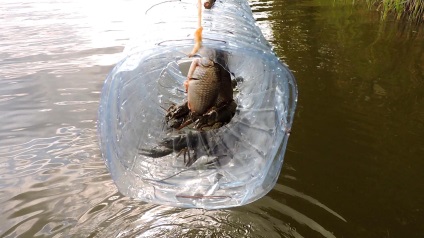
[(410, 9)]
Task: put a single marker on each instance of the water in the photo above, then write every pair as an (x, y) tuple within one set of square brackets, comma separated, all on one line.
[(353, 166)]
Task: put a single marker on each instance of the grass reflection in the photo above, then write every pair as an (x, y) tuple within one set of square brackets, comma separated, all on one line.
[(410, 9)]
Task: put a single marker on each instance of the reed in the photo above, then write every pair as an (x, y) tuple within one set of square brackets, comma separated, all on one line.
[(410, 9)]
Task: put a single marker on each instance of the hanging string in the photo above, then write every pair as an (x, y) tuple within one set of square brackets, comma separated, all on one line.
[(198, 32)]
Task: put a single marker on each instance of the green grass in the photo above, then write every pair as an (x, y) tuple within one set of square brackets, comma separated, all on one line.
[(410, 9)]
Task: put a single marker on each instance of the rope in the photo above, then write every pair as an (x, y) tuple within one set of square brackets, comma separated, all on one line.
[(198, 32)]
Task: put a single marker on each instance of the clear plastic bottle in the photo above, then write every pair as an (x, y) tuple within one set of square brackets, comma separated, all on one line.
[(237, 163)]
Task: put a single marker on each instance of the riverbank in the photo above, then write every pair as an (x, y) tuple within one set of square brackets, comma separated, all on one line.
[(409, 9)]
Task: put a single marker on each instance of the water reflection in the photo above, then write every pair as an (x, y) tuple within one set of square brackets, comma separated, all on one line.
[(359, 128), (125, 218), (59, 36), (48, 182), (354, 161), (117, 216)]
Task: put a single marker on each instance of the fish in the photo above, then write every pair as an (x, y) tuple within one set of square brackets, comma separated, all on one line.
[(208, 84)]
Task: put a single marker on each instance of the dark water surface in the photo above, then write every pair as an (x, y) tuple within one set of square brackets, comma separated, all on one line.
[(355, 161)]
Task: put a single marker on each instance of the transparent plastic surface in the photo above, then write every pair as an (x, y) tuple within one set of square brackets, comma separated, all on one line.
[(236, 163)]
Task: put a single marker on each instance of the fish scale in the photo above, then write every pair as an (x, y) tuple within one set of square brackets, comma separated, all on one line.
[(203, 88)]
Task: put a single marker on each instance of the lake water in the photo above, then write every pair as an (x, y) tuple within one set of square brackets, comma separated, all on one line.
[(354, 163)]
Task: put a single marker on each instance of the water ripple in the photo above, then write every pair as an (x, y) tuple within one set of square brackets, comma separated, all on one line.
[(47, 181), (118, 216), (354, 162)]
